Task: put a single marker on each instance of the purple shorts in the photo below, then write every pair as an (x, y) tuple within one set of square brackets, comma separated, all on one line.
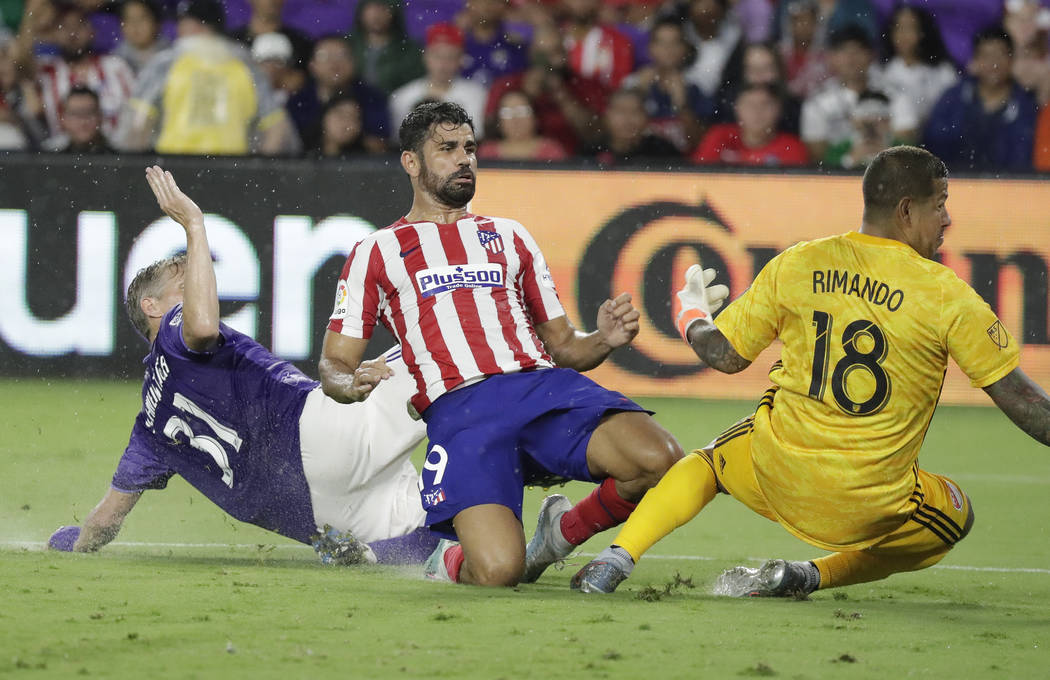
[(487, 441)]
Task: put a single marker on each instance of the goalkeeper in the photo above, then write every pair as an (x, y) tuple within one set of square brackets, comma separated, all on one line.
[(868, 320), (251, 432)]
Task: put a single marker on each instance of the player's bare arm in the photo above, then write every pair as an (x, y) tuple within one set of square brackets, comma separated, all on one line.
[(344, 377), (617, 326), (1024, 402), (200, 305), (100, 526), (713, 348)]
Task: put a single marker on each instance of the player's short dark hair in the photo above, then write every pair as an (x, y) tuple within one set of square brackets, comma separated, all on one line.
[(896, 173), (147, 284), (419, 122)]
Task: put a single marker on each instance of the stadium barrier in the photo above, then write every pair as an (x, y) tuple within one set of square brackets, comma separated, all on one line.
[(74, 231)]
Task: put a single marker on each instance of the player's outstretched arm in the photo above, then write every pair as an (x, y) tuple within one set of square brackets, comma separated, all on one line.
[(713, 348), (617, 326), (200, 305), (100, 526), (1024, 402), (344, 377)]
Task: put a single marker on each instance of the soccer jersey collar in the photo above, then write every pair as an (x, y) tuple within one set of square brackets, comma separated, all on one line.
[(878, 241)]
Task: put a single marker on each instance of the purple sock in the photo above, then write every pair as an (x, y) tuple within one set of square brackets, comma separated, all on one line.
[(413, 548)]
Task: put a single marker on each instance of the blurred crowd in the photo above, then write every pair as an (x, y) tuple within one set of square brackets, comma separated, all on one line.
[(657, 83)]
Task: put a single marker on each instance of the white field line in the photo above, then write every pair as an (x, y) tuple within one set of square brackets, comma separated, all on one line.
[(40, 545)]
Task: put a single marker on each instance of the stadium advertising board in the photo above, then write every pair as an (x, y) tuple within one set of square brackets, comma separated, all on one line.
[(604, 233), (73, 234)]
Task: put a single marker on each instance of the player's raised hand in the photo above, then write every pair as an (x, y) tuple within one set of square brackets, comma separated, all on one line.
[(175, 204), (369, 374), (697, 299), (618, 321)]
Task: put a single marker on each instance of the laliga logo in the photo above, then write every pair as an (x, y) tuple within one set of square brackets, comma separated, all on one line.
[(605, 261)]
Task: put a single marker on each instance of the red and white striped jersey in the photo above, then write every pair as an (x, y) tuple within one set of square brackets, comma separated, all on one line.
[(109, 76), (463, 299)]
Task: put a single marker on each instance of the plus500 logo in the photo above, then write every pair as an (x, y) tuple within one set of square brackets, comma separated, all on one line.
[(443, 279)]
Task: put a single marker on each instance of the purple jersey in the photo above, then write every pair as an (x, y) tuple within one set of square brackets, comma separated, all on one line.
[(228, 422)]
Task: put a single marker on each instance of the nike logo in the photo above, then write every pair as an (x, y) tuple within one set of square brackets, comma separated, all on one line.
[(406, 253)]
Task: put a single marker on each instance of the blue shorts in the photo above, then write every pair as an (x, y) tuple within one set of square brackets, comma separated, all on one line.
[(487, 441)]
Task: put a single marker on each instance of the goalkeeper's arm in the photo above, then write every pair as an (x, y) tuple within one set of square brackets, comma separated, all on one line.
[(696, 302), (100, 526)]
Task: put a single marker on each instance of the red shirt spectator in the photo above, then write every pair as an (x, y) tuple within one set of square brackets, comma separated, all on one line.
[(724, 144), (595, 51)]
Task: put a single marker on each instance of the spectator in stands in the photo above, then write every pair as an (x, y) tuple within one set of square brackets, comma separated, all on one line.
[(140, 24), (204, 96), (517, 138), (987, 121), (386, 57), (342, 128), (76, 64), (596, 51), (568, 107), (715, 35), (1028, 23), (442, 82), (958, 20), (81, 125), (266, 18), (333, 71), (833, 15), (827, 115), (677, 108), (492, 48), (757, 63), (804, 59), (625, 137), (273, 55), (919, 68), (754, 139), (21, 109), (872, 133)]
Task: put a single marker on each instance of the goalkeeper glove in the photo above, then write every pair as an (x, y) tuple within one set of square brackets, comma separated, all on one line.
[(64, 538), (698, 299)]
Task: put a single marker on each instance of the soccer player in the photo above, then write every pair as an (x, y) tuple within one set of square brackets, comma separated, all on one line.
[(495, 363), (251, 432), (868, 320)]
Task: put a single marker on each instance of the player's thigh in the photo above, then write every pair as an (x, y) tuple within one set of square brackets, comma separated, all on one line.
[(729, 456), (493, 543), (943, 517), (630, 444)]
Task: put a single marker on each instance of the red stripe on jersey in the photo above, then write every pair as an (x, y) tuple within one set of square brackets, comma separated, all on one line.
[(428, 325), (502, 300), (399, 330), (533, 301), (336, 325), (370, 299), (466, 307)]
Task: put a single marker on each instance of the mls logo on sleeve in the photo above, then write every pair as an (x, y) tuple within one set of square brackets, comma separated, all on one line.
[(997, 334), (492, 241)]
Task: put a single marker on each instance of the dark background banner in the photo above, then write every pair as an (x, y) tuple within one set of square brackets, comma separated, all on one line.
[(74, 230)]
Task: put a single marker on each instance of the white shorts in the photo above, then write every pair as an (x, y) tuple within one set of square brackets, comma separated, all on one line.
[(356, 460)]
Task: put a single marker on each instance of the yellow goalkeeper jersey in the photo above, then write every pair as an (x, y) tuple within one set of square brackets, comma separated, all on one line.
[(867, 326)]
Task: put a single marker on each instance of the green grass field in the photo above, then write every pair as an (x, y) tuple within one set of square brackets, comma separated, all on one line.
[(185, 592)]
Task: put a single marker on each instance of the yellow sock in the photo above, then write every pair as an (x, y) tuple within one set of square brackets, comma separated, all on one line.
[(683, 492), (847, 568)]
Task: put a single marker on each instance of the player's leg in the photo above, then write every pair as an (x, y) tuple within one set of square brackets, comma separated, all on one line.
[(943, 517), (627, 448), (493, 546), (725, 465)]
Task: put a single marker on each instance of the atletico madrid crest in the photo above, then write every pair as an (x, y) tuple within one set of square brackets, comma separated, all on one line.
[(492, 241)]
